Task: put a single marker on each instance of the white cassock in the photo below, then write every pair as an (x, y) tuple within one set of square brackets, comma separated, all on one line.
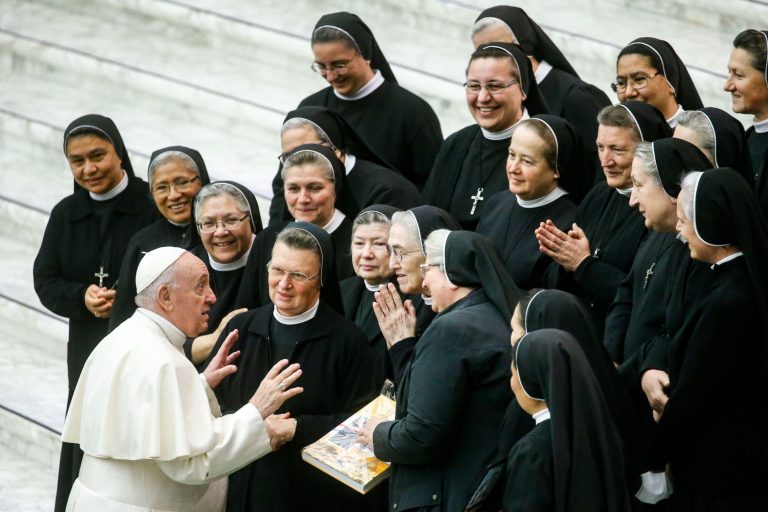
[(151, 428)]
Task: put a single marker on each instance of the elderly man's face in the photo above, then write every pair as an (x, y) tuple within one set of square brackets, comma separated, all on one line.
[(192, 296)]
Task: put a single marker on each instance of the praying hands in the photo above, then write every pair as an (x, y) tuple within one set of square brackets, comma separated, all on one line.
[(397, 320), (567, 249)]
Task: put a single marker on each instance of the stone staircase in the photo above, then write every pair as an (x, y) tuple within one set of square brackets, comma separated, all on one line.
[(220, 76)]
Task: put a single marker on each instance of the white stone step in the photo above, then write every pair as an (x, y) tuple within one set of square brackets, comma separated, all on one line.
[(430, 38), (730, 17), (26, 485), (33, 379)]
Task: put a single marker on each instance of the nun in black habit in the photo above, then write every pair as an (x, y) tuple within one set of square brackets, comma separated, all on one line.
[(370, 259), (371, 180), (639, 310), (567, 96), (649, 70), (397, 124), (227, 218), (452, 398), (607, 231), (314, 197), (76, 268), (748, 85), (535, 193), (572, 459), (183, 175), (720, 136), (401, 323), (470, 166), (301, 325), (719, 462)]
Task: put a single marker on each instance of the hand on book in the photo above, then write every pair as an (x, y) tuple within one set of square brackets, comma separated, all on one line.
[(365, 436), (281, 428)]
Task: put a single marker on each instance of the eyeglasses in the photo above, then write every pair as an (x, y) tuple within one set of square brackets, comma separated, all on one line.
[(294, 277), (491, 87), (181, 185), (339, 67), (399, 253), (210, 226), (424, 268), (637, 83)]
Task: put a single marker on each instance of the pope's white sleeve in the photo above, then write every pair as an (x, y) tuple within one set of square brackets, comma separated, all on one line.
[(213, 402), (241, 438)]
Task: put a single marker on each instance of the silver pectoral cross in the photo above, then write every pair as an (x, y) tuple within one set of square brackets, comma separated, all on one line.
[(648, 274), (478, 197), (101, 275)]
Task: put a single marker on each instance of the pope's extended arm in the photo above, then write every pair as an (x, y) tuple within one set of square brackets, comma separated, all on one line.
[(241, 437)]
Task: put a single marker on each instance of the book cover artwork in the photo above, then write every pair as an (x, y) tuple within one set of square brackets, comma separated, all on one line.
[(339, 454)]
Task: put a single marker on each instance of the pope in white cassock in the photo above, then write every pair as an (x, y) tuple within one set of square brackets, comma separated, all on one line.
[(149, 424)]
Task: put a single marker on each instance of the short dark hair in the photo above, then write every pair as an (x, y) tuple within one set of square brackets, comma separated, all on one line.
[(494, 53), (334, 35), (617, 116), (753, 42), (543, 131), (644, 50)]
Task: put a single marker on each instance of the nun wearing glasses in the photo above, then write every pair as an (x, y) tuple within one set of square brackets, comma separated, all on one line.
[(299, 325)]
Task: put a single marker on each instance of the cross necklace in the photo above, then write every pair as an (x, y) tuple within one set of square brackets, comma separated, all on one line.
[(477, 197), (101, 275)]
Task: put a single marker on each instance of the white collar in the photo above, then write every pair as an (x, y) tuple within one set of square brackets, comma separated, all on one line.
[(624, 191), (177, 224), (541, 416), (542, 71), (672, 121), (542, 201), (373, 84), (506, 133), (727, 259), (298, 319), (173, 333), (335, 222), (232, 265), (349, 162), (761, 127), (106, 196), (371, 287), (427, 300)]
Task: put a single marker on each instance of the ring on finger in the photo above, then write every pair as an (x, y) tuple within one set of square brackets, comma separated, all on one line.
[(281, 386)]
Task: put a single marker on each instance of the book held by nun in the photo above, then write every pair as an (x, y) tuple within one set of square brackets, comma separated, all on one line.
[(340, 455)]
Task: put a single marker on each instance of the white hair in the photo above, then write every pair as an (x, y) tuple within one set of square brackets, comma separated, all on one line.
[(147, 297), (435, 247), (407, 221), (688, 193)]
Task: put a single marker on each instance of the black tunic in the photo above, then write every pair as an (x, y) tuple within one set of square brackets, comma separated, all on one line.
[(530, 472), (638, 311), (396, 124), (160, 233), (225, 284), (80, 236), (335, 361), (615, 231), (758, 150), (401, 352), (718, 360), (254, 290), (358, 309), (71, 252), (449, 408), (512, 227), (369, 183), (579, 103), (466, 162)]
